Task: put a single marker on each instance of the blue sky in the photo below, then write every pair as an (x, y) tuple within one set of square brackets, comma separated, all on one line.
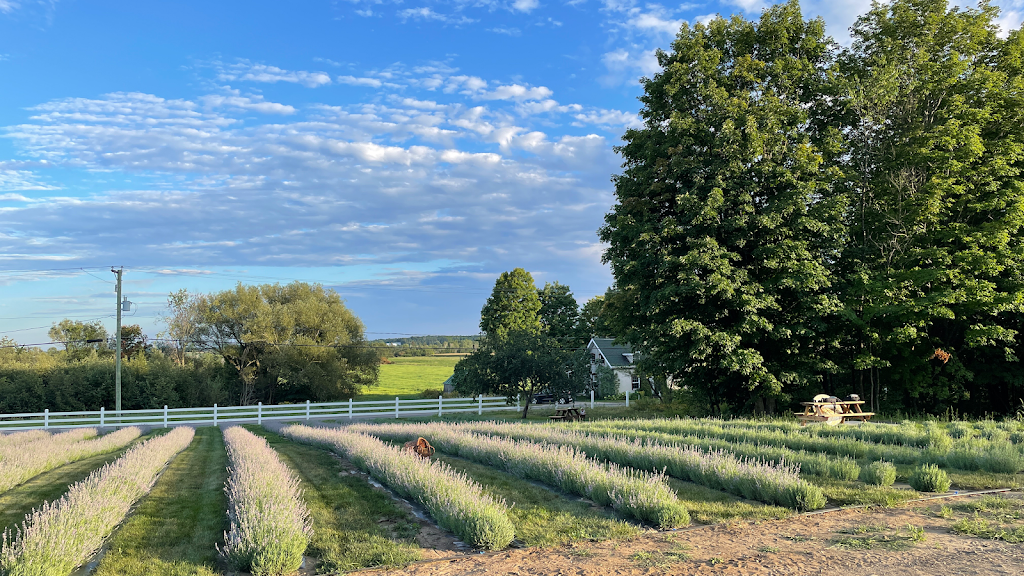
[(404, 153)]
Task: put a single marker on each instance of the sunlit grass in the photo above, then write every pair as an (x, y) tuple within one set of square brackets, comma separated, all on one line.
[(543, 517), (176, 528), (408, 377), (354, 525)]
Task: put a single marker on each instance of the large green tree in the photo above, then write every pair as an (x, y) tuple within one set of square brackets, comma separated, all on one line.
[(512, 306), (936, 140), (75, 336), (521, 364), (728, 213), (560, 314), (290, 342)]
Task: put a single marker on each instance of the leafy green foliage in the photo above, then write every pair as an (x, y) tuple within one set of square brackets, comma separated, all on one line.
[(74, 336), (795, 216), (292, 342), (727, 218), (560, 314), (513, 305), (520, 365)]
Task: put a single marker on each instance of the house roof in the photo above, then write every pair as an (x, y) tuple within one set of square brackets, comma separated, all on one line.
[(616, 355)]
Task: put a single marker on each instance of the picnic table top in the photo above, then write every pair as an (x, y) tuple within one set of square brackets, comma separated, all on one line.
[(825, 402)]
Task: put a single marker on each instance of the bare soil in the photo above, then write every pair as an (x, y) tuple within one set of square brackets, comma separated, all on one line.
[(849, 542)]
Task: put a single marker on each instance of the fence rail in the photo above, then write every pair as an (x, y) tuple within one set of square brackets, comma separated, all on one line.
[(214, 415)]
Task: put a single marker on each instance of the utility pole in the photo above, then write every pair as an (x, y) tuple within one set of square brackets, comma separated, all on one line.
[(117, 359)]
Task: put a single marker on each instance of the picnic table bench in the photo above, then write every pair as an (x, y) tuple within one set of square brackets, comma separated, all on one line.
[(569, 413), (832, 411)]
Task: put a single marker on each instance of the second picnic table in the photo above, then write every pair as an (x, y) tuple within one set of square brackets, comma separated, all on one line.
[(568, 413)]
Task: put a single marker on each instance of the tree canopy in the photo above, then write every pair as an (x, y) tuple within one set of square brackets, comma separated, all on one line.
[(794, 216), (289, 342), (513, 306)]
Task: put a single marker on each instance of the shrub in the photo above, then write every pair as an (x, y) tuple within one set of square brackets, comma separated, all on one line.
[(879, 473), (457, 503), (62, 535), (270, 526), (1002, 458), (929, 478)]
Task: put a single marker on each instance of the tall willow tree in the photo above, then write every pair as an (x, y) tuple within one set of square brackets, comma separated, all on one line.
[(728, 215), (934, 262)]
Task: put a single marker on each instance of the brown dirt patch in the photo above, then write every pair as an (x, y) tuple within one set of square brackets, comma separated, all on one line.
[(801, 545)]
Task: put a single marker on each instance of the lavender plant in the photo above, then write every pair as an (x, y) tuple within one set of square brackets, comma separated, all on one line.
[(62, 535), (642, 495), (15, 438), (21, 462), (270, 525), (457, 503)]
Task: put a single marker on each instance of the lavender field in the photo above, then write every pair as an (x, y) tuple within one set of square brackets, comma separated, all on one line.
[(341, 497)]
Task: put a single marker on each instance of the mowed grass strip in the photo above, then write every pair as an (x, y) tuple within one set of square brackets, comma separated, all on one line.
[(709, 506), (408, 377), (175, 529), (49, 486), (543, 517), (354, 525)]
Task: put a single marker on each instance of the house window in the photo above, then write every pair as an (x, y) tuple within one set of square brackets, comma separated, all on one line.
[(636, 382)]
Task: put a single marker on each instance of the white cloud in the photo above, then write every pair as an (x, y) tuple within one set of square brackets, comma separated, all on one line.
[(14, 198), (245, 71), (525, 5), (183, 272), (427, 14), (615, 118), (254, 103), (507, 31), (8, 6), (516, 92), (353, 81), (11, 180)]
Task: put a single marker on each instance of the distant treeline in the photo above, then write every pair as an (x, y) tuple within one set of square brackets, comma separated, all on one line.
[(426, 345)]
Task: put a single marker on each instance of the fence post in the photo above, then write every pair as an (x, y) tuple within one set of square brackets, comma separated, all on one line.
[(480, 405), (591, 399), (165, 415), (46, 419), (307, 409), (214, 413), (627, 398), (259, 413), (396, 406), (440, 399), (103, 416), (349, 408)]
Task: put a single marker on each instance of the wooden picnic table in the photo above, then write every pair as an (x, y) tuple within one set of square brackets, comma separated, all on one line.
[(568, 413), (833, 412)]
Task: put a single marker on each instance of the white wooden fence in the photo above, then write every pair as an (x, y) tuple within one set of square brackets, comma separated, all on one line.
[(218, 414)]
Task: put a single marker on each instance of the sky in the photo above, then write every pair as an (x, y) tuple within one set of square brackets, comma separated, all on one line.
[(403, 153)]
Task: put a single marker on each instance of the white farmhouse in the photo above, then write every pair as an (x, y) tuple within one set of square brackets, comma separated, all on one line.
[(603, 351)]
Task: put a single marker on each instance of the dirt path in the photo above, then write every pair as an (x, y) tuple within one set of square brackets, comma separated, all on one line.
[(852, 542)]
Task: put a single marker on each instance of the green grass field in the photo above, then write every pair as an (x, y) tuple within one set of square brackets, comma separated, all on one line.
[(408, 377)]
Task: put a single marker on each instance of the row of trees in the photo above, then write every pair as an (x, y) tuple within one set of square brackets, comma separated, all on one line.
[(795, 216), (269, 343)]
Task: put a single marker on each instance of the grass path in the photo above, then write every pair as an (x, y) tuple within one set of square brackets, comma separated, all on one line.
[(354, 525), (176, 528), (543, 517), (51, 485), (709, 506)]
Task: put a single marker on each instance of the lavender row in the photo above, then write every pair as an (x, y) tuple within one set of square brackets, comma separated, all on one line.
[(270, 526), (60, 536), (24, 461), (642, 495), (750, 478), (15, 438), (457, 503)]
